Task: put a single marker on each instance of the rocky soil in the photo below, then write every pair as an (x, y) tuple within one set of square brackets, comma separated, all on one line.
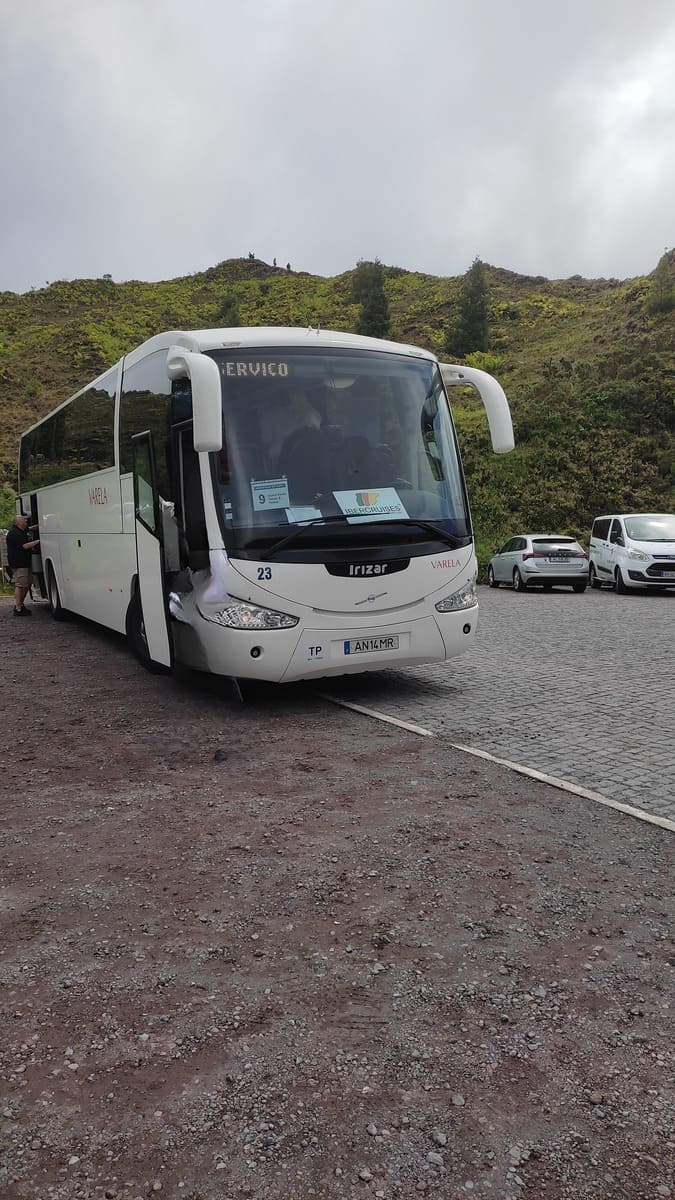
[(277, 950)]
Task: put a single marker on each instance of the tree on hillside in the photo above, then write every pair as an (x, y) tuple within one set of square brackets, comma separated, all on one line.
[(368, 291), (228, 311), (7, 505), (661, 295), (468, 331)]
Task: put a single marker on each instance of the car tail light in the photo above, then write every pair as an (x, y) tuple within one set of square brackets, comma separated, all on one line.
[(533, 554), (579, 554)]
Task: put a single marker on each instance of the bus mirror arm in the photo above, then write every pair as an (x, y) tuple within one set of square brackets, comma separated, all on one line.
[(494, 400), (207, 421)]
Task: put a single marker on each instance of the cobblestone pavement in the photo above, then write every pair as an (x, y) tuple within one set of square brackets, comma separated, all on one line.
[(581, 687)]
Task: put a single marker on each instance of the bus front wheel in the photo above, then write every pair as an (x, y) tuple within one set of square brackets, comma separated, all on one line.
[(56, 608), (137, 640)]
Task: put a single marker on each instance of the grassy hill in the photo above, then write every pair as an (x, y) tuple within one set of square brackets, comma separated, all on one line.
[(589, 372)]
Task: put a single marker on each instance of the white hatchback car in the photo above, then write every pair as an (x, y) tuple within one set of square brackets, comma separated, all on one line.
[(633, 550), (546, 559)]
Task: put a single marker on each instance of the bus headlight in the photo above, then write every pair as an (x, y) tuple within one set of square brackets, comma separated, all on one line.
[(464, 598), (240, 615)]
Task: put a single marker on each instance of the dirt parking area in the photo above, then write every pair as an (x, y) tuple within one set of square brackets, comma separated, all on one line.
[(278, 950)]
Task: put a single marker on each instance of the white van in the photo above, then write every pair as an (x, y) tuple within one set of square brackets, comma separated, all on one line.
[(633, 550)]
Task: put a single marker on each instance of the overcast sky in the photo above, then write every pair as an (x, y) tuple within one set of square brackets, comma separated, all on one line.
[(148, 139)]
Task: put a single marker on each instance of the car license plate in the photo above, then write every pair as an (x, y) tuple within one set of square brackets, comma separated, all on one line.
[(668, 574), (367, 645), (557, 558)]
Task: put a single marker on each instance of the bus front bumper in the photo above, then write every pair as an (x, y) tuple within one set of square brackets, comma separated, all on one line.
[(311, 653)]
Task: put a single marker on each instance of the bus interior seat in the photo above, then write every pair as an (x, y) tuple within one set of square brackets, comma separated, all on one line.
[(363, 465), (305, 461)]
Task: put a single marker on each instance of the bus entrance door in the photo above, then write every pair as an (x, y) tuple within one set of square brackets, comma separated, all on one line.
[(149, 632)]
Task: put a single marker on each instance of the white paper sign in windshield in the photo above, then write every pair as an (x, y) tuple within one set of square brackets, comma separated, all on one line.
[(269, 493), (372, 505), (300, 513)]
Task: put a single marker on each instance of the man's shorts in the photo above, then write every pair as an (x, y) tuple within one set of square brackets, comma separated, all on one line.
[(23, 577)]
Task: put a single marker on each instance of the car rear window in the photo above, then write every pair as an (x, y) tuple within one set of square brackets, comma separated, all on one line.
[(562, 543)]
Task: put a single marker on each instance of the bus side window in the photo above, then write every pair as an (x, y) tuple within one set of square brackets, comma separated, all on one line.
[(192, 504)]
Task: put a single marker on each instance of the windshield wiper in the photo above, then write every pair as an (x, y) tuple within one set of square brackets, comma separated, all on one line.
[(441, 534), (290, 537)]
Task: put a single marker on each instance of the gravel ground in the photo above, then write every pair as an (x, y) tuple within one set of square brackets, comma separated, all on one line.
[(278, 950)]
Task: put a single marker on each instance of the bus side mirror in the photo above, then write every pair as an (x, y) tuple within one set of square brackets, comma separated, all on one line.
[(207, 420), (494, 400)]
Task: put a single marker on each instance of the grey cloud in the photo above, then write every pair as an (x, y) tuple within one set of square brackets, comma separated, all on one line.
[(152, 140)]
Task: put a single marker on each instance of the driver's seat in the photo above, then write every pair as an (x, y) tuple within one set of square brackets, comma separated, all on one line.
[(305, 462)]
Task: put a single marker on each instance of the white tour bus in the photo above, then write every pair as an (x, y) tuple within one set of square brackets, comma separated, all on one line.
[(273, 504)]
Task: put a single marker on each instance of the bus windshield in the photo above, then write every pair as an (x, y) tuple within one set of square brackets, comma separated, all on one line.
[(361, 437)]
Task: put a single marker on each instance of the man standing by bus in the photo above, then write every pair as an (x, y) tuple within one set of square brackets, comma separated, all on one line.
[(19, 551)]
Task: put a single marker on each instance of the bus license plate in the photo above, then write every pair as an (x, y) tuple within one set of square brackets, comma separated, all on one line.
[(368, 645)]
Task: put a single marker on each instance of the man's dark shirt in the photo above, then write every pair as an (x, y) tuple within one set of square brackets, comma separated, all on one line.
[(16, 555)]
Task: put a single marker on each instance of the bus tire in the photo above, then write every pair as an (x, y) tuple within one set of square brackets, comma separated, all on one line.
[(137, 639), (56, 608)]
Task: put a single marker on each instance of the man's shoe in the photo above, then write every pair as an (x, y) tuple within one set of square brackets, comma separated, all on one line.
[(19, 612), (25, 612)]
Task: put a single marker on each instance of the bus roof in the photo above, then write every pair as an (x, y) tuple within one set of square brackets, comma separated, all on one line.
[(239, 337), (269, 335)]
